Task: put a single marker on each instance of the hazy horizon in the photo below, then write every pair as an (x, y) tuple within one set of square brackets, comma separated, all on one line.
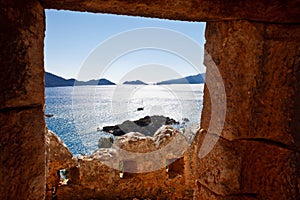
[(71, 37), (122, 81)]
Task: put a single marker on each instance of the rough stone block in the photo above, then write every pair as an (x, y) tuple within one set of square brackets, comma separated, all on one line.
[(21, 56), (259, 169), (189, 10), (220, 169), (268, 170), (59, 157), (22, 150), (260, 70)]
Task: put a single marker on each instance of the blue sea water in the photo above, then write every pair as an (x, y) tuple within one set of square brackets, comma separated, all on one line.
[(79, 111)]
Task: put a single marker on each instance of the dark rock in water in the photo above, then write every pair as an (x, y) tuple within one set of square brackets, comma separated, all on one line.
[(147, 125), (115, 130), (49, 115), (185, 119), (105, 142)]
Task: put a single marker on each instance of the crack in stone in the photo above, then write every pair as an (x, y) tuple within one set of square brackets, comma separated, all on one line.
[(254, 195), (263, 140), (21, 108), (270, 142)]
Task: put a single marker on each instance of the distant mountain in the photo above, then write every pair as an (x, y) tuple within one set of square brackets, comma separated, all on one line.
[(52, 80), (136, 82), (94, 82), (195, 79)]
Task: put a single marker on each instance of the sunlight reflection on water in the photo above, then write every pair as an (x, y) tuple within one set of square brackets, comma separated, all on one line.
[(80, 110)]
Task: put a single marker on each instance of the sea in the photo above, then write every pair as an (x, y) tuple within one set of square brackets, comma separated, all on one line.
[(79, 112)]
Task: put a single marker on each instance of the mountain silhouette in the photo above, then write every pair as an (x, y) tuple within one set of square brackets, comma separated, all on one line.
[(195, 79), (52, 80)]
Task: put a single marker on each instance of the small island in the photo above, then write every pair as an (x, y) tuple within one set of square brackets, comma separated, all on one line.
[(136, 82), (147, 125)]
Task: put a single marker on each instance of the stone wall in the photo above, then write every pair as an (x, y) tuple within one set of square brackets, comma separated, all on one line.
[(189, 10), (59, 158), (257, 154), (255, 45), (22, 124), (98, 176)]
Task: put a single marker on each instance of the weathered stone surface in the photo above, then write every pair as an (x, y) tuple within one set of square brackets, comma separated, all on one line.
[(135, 142), (220, 170), (21, 56), (252, 169), (189, 10), (105, 142), (22, 125), (203, 193), (279, 83), (97, 181), (97, 176), (171, 142), (167, 143), (225, 43), (268, 170), (259, 65), (138, 142), (22, 150), (59, 158)]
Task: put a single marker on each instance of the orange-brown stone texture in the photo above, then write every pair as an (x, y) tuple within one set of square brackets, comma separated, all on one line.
[(22, 124), (257, 154), (98, 176)]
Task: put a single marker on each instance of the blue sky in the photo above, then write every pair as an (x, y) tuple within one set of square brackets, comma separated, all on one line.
[(71, 37)]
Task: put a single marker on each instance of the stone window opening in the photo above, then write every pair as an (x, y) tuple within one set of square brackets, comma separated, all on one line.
[(105, 142), (127, 169), (175, 167), (64, 176), (121, 169)]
